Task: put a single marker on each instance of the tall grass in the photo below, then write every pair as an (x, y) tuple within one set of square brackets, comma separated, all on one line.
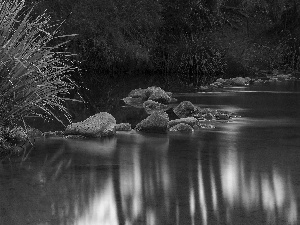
[(34, 76)]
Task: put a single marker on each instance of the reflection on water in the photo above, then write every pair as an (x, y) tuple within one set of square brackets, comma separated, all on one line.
[(244, 172)]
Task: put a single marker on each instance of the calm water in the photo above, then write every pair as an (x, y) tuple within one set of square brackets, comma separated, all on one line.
[(243, 172)]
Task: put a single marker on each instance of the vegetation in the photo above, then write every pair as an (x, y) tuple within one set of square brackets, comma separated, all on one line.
[(34, 73), (34, 77), (125, 44)]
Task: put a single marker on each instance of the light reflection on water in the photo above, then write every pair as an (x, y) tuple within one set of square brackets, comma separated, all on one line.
[(243, 172)]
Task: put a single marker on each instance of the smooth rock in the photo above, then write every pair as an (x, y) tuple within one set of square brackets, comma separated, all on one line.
[(99, 125)]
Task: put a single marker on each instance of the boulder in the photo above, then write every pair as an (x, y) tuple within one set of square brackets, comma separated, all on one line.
[(159, 95), (152, 106), (188, 120), (239, 81), (139, 93), (157, 122), (137, 97), (135, 102), (182, 127), (99, 125), (123, 127), (185, 109)]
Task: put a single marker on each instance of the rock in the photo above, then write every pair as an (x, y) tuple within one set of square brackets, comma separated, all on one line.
[(123, 127), (258, 81), (173, 100), (137, 97), (203, 88), (99, 125), (228, 82), (208, 116), (53, 133), (17, 135), (188, 120), (283, 77), (185, 109), (182, 127), (71, 136), (33, 132), (157, 122), (248, 79), (218, 84), (159, 95), (222, 117), (239, 81), (220, 80), (139, 93), (152, 106), (204, 126), (135, 102)]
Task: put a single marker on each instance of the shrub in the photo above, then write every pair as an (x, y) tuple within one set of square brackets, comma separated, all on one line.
[(34, 76), (199, 61)]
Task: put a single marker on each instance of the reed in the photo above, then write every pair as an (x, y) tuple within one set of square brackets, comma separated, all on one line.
[(34, 75)]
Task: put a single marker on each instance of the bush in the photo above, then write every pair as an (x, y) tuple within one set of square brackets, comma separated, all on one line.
[(199, 61), (34, 76)]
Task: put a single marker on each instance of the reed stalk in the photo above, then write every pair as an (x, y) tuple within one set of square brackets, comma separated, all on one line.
[(34, 75)]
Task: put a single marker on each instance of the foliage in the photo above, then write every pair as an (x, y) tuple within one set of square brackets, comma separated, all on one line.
[(199, 61), (34, 76)]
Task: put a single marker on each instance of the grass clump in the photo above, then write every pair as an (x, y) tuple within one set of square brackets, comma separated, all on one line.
[(34, 72)]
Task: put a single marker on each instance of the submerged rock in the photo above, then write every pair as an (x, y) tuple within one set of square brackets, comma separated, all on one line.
[(152, 106), (185, 109), (157, 122), (182, 127), (188, 120), (123, 127), (99, 125)]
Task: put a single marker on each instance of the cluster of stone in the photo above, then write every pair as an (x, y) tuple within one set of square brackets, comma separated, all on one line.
[(264, 78), (220, 83), (188, 117), (151, 99)]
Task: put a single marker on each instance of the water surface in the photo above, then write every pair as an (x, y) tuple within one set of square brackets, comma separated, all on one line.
[(246, 171)]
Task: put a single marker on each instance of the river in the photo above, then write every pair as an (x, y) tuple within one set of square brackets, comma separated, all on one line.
[(246, 171)]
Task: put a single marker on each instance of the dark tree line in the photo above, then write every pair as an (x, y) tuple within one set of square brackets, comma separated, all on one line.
[(162, 42)]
